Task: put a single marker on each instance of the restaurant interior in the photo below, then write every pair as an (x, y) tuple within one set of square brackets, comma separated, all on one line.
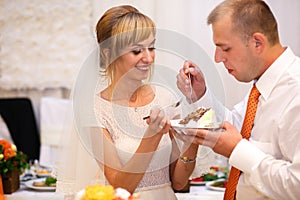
[(45, 44)]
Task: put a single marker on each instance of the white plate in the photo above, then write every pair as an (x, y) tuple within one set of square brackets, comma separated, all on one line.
[(200, 183), (29, 184), (175, 124), (210, 185)]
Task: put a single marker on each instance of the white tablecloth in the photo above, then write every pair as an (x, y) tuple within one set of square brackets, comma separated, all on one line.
[(196, 193), (200, 193), (28, 194)]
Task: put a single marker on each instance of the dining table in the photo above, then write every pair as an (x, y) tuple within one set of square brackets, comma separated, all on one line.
[(201, 193), (195, 193), (25, 193)]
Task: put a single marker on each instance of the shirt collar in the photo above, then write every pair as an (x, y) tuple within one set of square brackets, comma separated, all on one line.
[(271, 76)]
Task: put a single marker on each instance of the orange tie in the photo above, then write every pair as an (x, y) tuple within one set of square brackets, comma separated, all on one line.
[(246, 132)]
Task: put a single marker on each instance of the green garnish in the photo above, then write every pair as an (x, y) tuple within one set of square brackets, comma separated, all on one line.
[(210, 177), (50, 180)]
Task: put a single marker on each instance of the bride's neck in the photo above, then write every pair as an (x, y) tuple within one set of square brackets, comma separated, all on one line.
[(130, 94), (124, 91)]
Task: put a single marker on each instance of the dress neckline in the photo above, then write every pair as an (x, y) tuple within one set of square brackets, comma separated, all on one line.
[(134, 108)]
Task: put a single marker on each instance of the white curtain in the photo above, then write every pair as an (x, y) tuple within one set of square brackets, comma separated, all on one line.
[(43, 43)]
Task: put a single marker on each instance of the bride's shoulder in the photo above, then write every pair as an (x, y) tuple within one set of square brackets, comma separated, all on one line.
[(104, 94)]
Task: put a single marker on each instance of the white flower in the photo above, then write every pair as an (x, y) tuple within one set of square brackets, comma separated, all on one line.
[(122, 193)]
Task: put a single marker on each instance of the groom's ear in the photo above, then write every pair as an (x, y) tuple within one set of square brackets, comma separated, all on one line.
[(258, 41)]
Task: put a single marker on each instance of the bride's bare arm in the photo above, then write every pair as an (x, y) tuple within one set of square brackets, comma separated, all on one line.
[(129, 175), (183, 163)]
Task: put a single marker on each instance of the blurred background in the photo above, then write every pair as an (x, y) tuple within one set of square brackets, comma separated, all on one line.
[(44, 43)]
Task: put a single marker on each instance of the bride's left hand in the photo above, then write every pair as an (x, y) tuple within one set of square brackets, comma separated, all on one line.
[(158, 122)]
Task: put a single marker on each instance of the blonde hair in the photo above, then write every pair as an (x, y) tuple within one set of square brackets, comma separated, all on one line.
[(247, 17), (118, 28)]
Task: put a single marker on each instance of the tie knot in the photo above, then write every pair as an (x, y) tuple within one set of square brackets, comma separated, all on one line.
[(254, 94)]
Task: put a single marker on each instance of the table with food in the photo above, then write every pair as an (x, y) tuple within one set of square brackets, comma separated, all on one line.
[(41, 185), (38, 182)]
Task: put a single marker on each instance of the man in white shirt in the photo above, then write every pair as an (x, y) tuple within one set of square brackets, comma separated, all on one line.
[(246, 37)]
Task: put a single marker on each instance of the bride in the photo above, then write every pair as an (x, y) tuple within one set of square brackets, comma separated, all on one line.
[(124, 150)]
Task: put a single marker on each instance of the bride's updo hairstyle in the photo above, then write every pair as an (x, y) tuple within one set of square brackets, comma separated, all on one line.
[(119, 28)]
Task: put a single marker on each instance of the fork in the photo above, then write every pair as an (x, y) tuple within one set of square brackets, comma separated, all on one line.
[(174, 105), (191, 88)]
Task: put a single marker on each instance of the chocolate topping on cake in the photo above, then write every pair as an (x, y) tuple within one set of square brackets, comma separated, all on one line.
[(195, 115)]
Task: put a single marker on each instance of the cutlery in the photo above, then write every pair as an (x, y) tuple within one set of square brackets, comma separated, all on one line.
[(168, 106), (191, 88)]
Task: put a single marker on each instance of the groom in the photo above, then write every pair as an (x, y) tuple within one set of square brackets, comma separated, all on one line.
[(266, 165)]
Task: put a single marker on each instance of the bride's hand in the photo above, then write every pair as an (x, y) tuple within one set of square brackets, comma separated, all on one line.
[(158, 122)]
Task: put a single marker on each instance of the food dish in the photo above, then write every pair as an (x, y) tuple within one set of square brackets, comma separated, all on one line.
[(43, 174), (198, 183), (98, 191), (29, 184), (198, 116), (176, 124), (201, 118), (217, 185)]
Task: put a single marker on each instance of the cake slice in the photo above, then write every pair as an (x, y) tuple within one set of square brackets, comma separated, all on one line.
[(202, 117)]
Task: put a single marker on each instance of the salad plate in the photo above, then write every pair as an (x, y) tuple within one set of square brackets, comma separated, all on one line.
[(30, 185)]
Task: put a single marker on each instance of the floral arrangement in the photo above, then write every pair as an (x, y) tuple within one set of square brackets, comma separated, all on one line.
[(10, 158), (102, 192)]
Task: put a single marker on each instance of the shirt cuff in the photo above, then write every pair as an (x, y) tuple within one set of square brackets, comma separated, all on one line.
[(246, 156), (205, 100)]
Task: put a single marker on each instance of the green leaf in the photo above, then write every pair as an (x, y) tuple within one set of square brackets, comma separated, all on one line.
[(50, 180), (210, 177)]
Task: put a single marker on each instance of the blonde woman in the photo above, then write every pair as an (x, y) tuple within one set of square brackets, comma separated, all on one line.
[(139, 155)]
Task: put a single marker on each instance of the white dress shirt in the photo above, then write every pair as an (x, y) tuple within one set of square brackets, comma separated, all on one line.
[(270, 160)]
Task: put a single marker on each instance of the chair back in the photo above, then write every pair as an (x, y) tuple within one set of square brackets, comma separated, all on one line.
[(20, 119), (53, 115)]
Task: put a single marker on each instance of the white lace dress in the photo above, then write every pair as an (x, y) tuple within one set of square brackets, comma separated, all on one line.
[(126, 127)]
